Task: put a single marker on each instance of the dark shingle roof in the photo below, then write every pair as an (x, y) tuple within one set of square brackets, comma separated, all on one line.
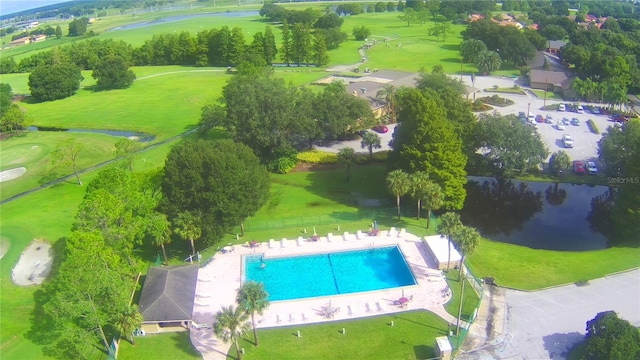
[(556, 78), (168, 293)]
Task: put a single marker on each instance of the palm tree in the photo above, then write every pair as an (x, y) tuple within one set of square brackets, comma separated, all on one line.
[(186, 227), (488, 61), (128, 320), (433, 199), (447, 224), (159, 230), (419, 183), (231, 324), (370, 141), (467, 240), (399, 184), (253, 299), (388, 94), (347, 157)]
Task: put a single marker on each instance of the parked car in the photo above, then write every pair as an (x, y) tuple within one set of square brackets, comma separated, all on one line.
[(382, 129), (567, 140), (579, 109), (565, 121), (562, 107), (595, 110), (549, 119), (539, 118), (522, 115), (620, 118), (531, 117), (560, 125), (578, 167), (575, 121), (592, 169)]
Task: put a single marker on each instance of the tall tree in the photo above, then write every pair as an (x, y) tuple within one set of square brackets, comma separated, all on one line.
[(388, 94), (53, 82), (253, 299), (433, 199), (399, 184), (58, 32), (221, 183), (511, 142), (370, 141), (14, 119), (113, 73), (159, 232), (466, 240), (338, 113), (67, 154), (610, 337), (126, 148), (558, 161), (231, 323), (320, 56), (347, 157), (488, 61), (269, 45), (301, 44), (286, 48), (127, 321), (186, 226), (419, 184), (447, 224), (237, 47), (470, 49), (426, 141)]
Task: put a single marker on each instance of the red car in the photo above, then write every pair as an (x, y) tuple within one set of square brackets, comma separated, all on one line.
[(539, 118), (381, 129), (579, 168)]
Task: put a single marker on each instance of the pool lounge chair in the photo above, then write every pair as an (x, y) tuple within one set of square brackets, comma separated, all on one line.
[(368, 309), (349, 312), (329, 237), (392, 231), (378, 307)]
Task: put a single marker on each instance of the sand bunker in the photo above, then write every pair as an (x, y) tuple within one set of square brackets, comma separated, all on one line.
[(5, 244), (34, 264), (12, 174)]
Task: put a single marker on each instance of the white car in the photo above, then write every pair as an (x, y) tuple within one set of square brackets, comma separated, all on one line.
[(592, 169), (580, 109), (560, 125), (562, 107), (567, 141)]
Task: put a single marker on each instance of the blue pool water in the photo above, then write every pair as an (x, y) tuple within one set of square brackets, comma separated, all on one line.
[(286, 278)]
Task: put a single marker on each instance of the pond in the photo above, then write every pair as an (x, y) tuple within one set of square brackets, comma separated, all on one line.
[(539, 215), (142, 137), (172, 19)]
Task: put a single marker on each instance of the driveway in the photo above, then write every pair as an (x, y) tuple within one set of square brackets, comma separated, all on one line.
[(546, 324)]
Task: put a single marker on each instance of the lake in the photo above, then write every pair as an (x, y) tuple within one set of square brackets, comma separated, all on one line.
[(539, 215)]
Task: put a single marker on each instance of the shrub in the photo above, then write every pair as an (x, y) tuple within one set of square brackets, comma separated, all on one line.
[(283, 165), (593, 127), (381, 156), (317, 157)]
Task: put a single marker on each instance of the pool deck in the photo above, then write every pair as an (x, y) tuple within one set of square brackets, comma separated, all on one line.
[(219, 281)]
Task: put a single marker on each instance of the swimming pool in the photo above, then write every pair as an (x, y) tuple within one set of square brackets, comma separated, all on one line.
[(297, 277)]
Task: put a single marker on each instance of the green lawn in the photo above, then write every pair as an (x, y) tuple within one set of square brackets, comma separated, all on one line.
[(471, 298), (173, 345), (33, 151), (550, 95), (411, 337), (506, 90)]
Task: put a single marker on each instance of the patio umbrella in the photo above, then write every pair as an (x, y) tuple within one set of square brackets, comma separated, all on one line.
[(253, 243)]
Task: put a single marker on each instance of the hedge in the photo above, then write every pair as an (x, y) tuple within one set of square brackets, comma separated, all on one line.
[(593, 127)]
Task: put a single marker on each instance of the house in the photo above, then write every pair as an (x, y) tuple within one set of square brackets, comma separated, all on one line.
[(367, 87), (475, 17), (509, 23), (535, 27), (556, 81), (554, 46), (20, 41), (38, 38), (166, 300)]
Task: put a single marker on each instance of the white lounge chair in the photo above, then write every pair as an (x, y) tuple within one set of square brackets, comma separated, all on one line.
[(392, 231), (329, 237), (359, 235), (346, 236), (271, 243), (402, 232)]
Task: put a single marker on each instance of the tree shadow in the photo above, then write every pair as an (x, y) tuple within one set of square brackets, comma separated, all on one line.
[(450, 47), (558, 345), (424, 352)]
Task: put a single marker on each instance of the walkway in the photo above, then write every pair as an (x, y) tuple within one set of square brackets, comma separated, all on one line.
[(546, 324), (219, 280)]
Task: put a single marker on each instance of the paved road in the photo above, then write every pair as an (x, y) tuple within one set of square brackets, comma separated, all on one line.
[(546, 324)]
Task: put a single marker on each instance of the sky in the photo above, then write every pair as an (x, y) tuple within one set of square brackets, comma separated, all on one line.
[(12, 6)]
